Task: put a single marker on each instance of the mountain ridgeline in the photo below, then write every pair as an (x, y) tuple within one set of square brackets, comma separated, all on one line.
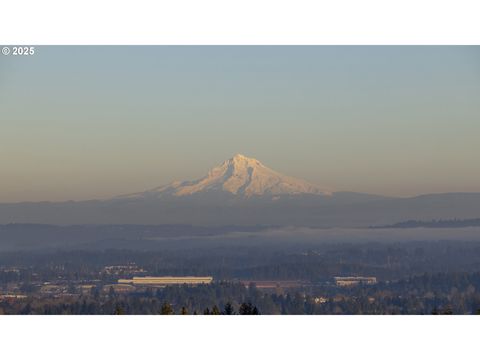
[(442, 224), (243, 191)]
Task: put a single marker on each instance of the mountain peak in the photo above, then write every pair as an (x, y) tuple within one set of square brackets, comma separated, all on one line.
[(239, 157), (239, 160), (241, 176)]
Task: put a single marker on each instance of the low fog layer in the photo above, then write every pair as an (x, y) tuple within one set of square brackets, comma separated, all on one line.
[(90, 237)]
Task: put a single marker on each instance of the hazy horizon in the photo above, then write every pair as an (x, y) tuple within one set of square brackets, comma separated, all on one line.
[(94, 122)]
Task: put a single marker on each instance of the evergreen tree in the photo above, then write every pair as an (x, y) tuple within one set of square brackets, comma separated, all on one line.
[(248, 309), (167, 309), (228, 310), (119, 310)]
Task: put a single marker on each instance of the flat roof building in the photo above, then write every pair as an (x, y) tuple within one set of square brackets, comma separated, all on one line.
[(354, 280), (167, 280)]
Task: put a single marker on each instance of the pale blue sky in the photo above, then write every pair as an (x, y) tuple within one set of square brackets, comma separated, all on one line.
[(88, 122)]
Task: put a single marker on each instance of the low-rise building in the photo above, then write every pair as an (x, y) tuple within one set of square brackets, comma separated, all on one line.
[(274, 286), (355, 280), (48, 288), (12, 296), (85, 288), (320, 300), (167, 280), (123, 269), (119, 288)]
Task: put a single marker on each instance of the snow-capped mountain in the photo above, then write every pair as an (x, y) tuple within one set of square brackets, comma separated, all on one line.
[(243, 191), (239, 176)]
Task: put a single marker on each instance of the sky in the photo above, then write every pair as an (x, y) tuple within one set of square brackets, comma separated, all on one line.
[(85, 122)]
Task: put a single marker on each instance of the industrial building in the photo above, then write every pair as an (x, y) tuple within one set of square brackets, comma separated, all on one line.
[(354, 280), (167, 280)]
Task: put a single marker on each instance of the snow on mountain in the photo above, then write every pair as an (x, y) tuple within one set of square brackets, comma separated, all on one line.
[(241, 176)]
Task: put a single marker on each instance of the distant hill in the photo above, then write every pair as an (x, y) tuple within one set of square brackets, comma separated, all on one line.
[(453, 223)]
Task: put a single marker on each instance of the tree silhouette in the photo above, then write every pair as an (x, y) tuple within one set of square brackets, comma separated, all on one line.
[(228, 310), (166, 309), (119, 310), (248, 309)]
